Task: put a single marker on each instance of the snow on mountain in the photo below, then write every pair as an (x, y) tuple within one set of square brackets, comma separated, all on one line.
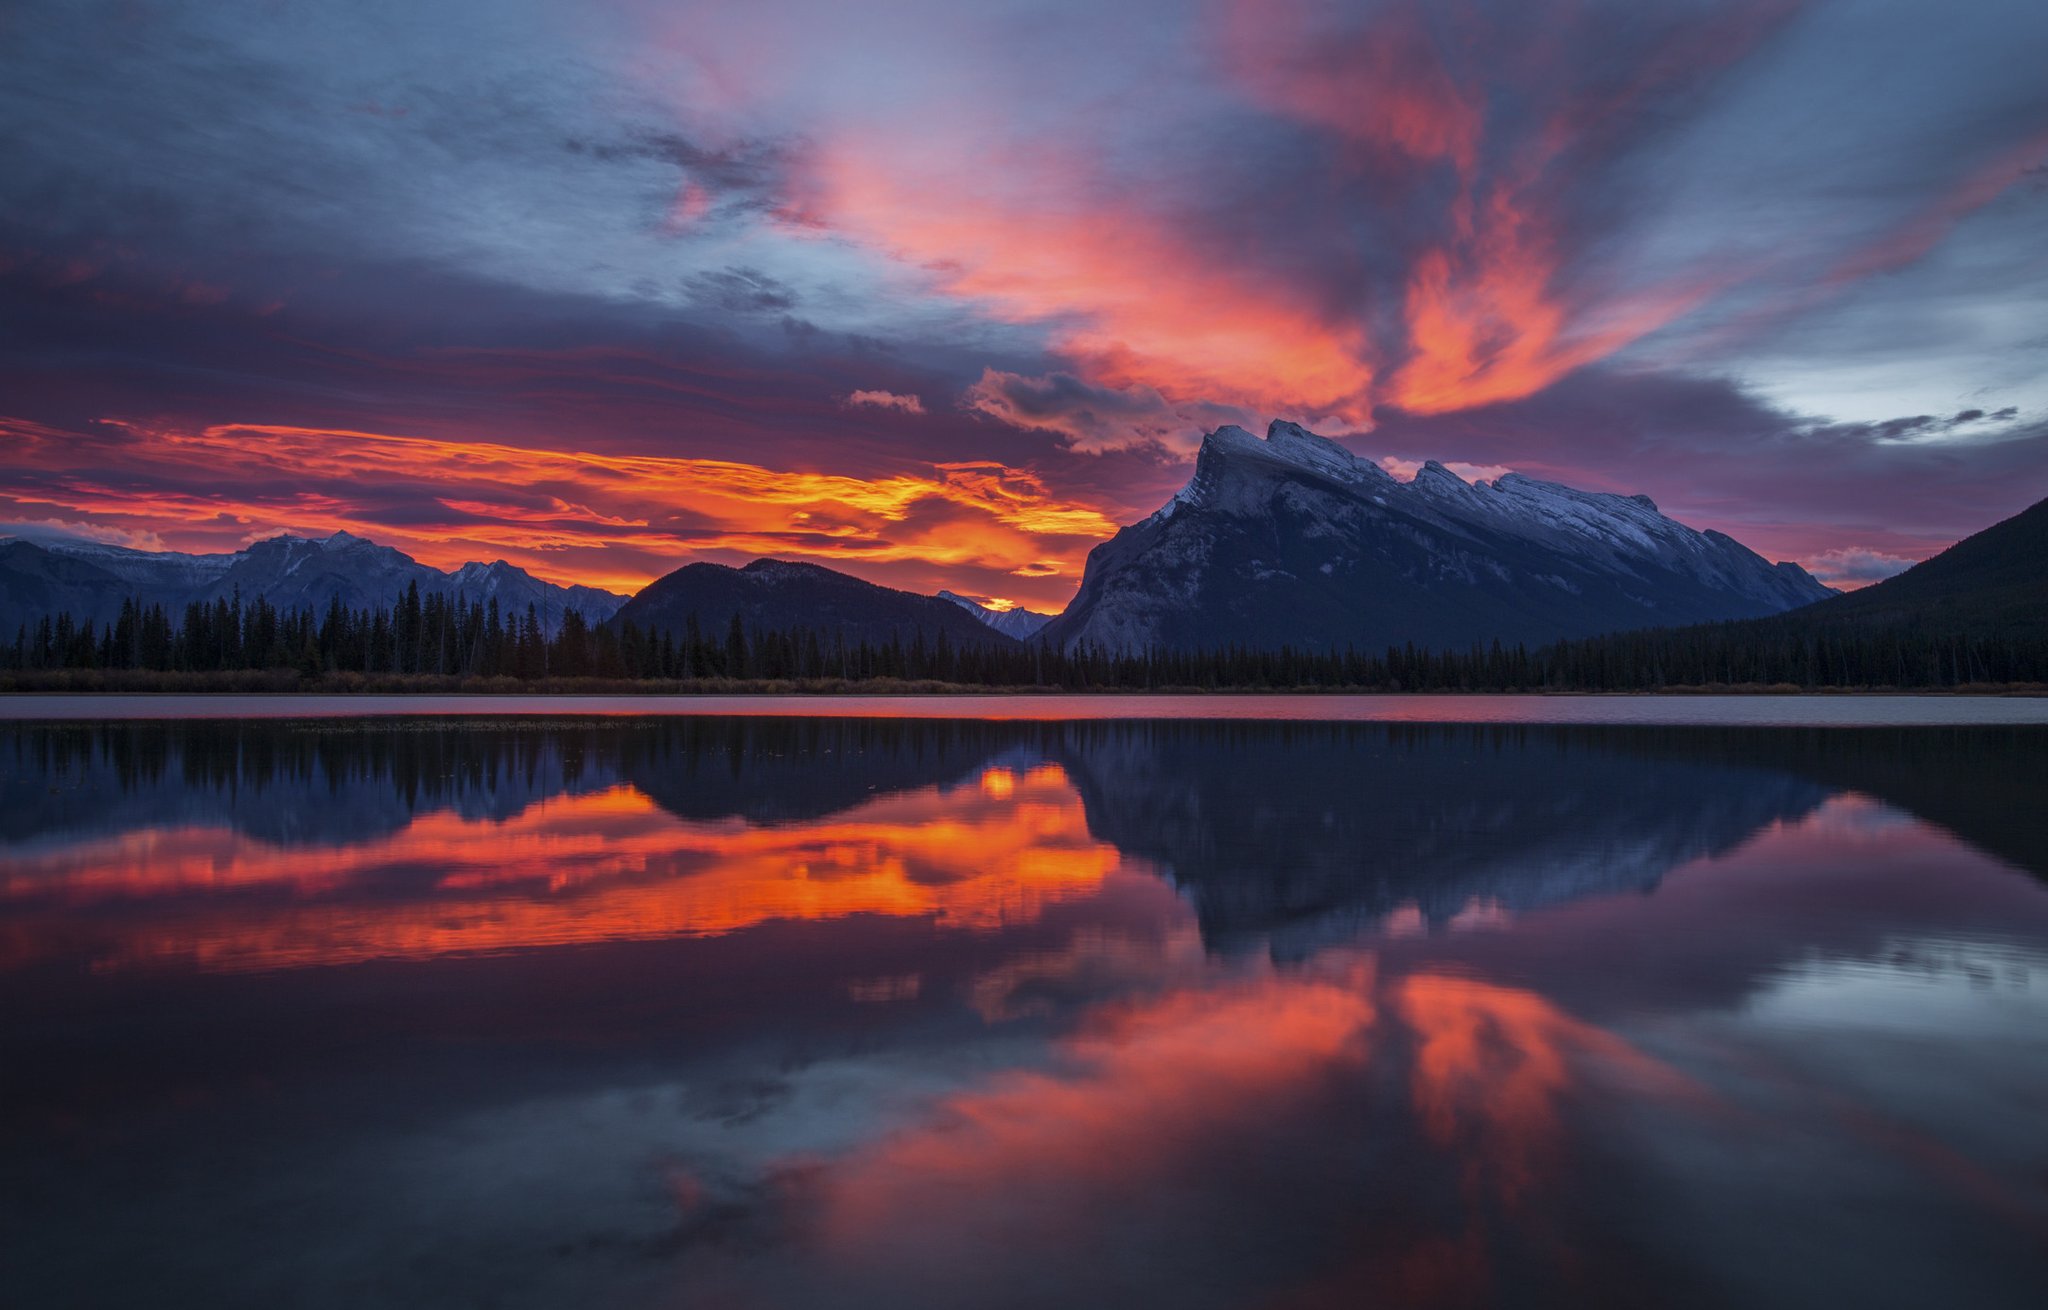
[(1295, 540), (91, 579), (1021, 624)]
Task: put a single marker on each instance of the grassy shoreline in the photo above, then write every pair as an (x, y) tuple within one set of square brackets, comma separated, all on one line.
[(289, 682)]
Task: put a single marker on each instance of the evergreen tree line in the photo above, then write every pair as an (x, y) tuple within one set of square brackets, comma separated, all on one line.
[(451, 637)]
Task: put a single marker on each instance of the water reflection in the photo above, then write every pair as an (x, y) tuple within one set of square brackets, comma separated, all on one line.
[(799, 1012)]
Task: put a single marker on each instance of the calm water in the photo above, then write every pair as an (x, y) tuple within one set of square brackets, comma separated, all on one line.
[(699, 1011)]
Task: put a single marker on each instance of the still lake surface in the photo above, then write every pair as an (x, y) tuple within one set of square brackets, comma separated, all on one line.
[(621, 1010)]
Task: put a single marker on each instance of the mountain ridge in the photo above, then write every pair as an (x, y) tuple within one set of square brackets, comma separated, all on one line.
[(1294, 540), (91, 580), (1021, 624), (774, 595)]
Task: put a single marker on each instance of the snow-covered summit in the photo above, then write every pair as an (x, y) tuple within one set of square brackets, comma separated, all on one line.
[(1295, 539), (293, 571), (1019, 623)]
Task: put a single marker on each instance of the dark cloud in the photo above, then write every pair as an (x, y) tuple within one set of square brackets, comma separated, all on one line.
[(1509, 234), (1090, 416), (1715, 454), (747, 173), (739, 290)]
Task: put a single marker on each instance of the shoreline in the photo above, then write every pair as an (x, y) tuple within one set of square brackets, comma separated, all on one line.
[(1473, 710), (89, 684)]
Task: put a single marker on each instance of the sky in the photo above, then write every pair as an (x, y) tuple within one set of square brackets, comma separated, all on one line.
[(941, 294)]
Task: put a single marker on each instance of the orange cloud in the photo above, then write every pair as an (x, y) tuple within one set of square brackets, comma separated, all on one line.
[(1483, 318), (1038, 237), (606, 520)]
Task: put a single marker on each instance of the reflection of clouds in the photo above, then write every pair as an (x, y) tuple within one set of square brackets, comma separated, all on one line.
[(1092, 962), (1492, 1066), (1853, 814), (1139, 1094), (1000, 1067), (1163, 1105), (608, 866), (1916, 986)]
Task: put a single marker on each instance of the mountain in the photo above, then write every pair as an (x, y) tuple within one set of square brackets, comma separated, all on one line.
[(1021, 624), (1975, 613), (778, 596), (35, 582), (90, 580), (1293, 540), (1993, 584)]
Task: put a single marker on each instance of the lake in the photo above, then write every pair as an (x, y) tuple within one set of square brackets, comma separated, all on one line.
[(1071, 1001)]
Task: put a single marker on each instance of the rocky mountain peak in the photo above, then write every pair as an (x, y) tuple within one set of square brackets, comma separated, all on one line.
[(1294, 539)]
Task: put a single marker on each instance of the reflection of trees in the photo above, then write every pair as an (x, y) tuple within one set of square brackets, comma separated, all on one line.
[(1265, 824), (1308, 827)]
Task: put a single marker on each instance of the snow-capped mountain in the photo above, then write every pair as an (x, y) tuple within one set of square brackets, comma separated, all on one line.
[(1021, 624), (91, 580), (1293, 540)]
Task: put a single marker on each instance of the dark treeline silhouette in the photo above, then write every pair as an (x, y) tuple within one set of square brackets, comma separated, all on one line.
[(435, 636)]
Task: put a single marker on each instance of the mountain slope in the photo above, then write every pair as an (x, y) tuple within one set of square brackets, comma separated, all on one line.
[(35, 583), (1021, 624), (779, 596), (90, 580), (1976, 613), (1992, 584), (1293, 540)]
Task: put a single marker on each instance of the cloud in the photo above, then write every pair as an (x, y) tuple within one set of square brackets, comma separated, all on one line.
[(47, 531), (607, 520), (1512, 235), (1715, 454), (739, 290), (1855, 566), (1406, 469), (1093, 417), (738, 166), (886, 400)]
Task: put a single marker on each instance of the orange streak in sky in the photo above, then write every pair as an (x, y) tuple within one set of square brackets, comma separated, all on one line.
[(537, 505), (1122, 294)]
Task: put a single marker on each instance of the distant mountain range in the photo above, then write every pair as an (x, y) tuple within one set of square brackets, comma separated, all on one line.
[(1287, 540), (1021, 624), (779, 596), (1293, 540), (90, 580)]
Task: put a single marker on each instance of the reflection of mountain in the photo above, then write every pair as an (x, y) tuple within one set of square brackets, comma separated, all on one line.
[(1294, 832), (1311, 828), (779, 771), (280, 782), (1979, 783)]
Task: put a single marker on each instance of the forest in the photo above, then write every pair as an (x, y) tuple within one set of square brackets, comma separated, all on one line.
[(432, 637)]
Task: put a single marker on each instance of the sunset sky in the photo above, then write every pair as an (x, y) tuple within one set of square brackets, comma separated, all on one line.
[(940, 293)]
